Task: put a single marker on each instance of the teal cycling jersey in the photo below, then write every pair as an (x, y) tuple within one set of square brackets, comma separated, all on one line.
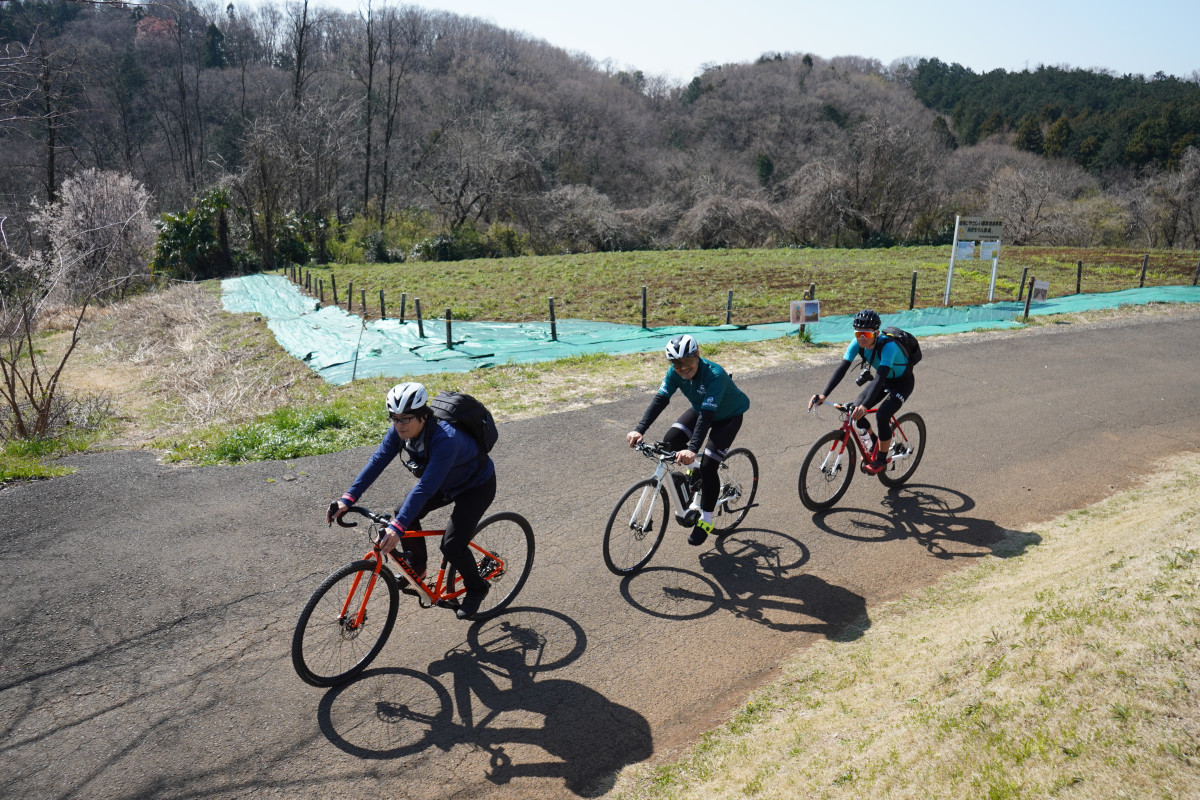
[(711, 390), (890, 355)]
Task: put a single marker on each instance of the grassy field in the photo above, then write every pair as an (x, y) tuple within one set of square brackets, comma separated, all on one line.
[(692, 287), (1070, 668), (202, 386)]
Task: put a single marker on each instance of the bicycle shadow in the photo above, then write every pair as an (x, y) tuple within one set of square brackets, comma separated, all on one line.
[(496, 701), (932, 516), (750, 574)]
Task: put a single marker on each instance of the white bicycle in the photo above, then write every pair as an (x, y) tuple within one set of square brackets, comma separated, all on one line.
[(639, 520)]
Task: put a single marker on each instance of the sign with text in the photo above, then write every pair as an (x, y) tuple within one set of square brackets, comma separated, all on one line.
[(965, 251), (806, 312), (989, 250), (979, 228)]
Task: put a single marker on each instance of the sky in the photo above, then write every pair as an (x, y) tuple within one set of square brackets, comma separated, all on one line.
[(675, 38)]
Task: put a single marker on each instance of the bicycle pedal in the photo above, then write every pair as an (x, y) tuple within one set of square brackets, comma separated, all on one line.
[(451, 604)]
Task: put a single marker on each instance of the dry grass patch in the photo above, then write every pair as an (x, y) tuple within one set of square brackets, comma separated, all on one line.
[(1071, 668), (174, 361)]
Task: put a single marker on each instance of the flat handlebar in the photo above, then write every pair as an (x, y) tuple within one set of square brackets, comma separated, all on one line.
[(657, 450)]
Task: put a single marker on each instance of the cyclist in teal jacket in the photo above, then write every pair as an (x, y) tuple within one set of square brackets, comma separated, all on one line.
[(893, 383), (716, 412)]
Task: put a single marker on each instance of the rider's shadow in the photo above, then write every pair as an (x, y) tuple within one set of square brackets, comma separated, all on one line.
[(752, 574), (934, 517), (560, 728)]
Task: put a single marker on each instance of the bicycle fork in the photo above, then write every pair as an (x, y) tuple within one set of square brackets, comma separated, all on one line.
[(360, 616)]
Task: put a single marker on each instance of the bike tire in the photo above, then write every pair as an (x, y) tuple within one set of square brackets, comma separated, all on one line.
[(913, 440), (739, 485), (509, 536), (822, 484), (325, 652), (635, 529)]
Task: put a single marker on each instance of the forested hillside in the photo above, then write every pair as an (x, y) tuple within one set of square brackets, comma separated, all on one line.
[(1101, 122), (278, 132)]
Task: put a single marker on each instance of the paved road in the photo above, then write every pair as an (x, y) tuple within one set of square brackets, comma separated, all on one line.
[(148, 610)]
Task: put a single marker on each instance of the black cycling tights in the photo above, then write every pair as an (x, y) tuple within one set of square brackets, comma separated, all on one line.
[(469, 508), (720, 439), (893, 394)]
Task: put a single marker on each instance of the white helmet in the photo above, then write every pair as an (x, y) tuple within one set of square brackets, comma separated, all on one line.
[(682, 346), (405, 397)]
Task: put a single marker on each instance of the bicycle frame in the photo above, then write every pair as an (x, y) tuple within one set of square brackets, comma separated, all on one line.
[(443, 586), (848, 433), (678, 510)]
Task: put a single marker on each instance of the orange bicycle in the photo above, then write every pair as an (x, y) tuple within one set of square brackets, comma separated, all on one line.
[(347, 620), (827, 469)]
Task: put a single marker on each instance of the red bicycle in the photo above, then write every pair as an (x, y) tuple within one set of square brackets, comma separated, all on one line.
[(349, 617), (827, 469)]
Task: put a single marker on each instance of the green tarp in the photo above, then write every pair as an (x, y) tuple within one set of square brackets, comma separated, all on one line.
[(328, 338)]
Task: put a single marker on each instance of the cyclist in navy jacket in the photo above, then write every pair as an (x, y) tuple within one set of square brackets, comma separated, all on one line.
[(450, 468), (716, 412), (893, 383)]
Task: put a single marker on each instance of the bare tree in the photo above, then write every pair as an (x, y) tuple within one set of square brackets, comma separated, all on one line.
[(1177, 198), (99, 237), (476, 164)]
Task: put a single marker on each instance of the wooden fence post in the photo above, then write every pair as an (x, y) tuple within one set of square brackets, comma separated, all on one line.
[(729, 308), (382, 312), (449, 338), (420, 322), (1078, 276), (912, 293), (1028, 297), (553, 324), (1021, 291), (1145, 263), (643, 306)]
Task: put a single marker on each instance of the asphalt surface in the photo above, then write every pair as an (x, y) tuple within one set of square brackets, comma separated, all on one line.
[(148, 610)]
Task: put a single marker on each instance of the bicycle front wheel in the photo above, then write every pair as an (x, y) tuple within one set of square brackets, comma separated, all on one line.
[(826, 471), (636, 527), (908, 445), (333, 642), (503, 547), (739, 484)]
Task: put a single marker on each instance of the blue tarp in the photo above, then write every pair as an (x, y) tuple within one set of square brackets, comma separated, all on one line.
[(328, 338)]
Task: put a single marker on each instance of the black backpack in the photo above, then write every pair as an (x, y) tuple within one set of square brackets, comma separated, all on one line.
[(469, 414), (908, 343)]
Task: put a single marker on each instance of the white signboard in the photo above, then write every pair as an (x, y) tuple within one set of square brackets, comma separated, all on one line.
[(969, 232), (1041, 291), (977, 228), (806, 312)]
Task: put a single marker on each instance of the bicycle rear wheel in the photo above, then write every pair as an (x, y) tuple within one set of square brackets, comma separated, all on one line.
[(330, 646), (826, 471), (503, 547), (636, 527), (908, 445), (739, 484)]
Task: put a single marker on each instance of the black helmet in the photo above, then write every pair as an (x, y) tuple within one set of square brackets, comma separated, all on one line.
[(866, 320)]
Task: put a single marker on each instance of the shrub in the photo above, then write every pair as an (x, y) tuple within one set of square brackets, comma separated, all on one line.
[(194, 244), (456, 245), (720, 221)]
